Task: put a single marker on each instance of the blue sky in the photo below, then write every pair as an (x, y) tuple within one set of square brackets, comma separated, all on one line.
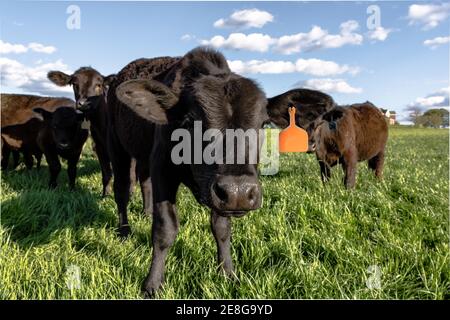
[(404, 61)]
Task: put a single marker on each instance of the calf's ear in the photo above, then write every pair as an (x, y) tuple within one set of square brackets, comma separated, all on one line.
[(332, 117), (332, 125), (59, 78), (44, 113), (148, 98), (109, 79)]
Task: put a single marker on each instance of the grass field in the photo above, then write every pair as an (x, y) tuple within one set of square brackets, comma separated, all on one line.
[(308, 240)]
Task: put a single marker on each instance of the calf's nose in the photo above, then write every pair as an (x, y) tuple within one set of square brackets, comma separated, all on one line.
[(236, 193)]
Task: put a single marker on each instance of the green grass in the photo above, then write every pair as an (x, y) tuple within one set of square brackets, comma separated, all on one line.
[(308, 240)]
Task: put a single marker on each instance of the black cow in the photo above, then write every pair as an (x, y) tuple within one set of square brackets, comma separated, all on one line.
[(61, 135), (310, 104), (148, 101)]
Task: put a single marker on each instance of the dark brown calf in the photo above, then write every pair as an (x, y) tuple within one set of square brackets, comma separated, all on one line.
[(90, 89), (348, 135)]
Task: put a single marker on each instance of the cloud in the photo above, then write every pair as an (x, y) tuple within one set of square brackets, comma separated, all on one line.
[(32, 79), (328, 85), (436, 42), (238, 41), (37, 47), (428, 15), (315, 67), (187, 37), (438, 99), (243, 19), (6, 48), (379, 34), (318, 38)]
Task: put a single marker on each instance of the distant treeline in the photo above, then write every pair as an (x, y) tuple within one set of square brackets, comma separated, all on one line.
[(433, 118)]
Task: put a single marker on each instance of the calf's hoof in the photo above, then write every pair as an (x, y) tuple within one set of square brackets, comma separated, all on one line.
[(147, 213), (106, 192), (150, 288), (229, 274), (148, 293), (124, 231)]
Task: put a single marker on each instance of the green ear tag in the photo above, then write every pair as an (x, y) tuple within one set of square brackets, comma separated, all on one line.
[(86, 124)]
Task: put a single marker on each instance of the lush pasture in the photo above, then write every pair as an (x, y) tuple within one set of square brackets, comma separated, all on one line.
[(308, 240)]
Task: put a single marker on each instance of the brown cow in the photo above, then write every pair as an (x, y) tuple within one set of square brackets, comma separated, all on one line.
[(20, 125), (348, 135)]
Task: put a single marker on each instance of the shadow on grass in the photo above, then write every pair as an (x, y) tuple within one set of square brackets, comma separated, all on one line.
[(36, 213)]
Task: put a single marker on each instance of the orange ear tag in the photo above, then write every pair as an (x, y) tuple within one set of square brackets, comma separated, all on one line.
[(293, 138)]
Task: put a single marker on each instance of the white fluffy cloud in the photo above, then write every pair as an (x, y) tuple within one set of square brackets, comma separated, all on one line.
[(315, 67), (438, 99), (428, 15), (6, 48), (32, 79), (329, 85), (243, 19), (436, 42), (316, 38), (238, 41), (379, 34)]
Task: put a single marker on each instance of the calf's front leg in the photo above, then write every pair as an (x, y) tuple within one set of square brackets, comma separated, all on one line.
[(16, 159), (164, 231), (72, 169), (325, 172), (221, 229), (6, 151), (349, 165), (54, 167)]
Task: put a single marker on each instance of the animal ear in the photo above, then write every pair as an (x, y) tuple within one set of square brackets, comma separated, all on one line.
[(44, 113), (148, 98), (333, 115), (59, 78), (332, 125), (109, 79)]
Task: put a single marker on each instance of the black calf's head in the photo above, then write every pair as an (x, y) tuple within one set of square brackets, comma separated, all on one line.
[(201, 94), (310, 104), (89, 86), (64, 123)]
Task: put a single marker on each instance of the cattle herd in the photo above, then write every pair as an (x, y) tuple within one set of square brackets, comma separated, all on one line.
[(131, 116)]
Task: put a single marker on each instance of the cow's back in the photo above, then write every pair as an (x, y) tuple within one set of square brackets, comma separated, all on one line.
[(17, 109), (371, 129), (20, 125), (132, 132)]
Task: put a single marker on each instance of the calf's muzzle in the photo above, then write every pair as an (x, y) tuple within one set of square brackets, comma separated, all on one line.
[(235, 195)]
